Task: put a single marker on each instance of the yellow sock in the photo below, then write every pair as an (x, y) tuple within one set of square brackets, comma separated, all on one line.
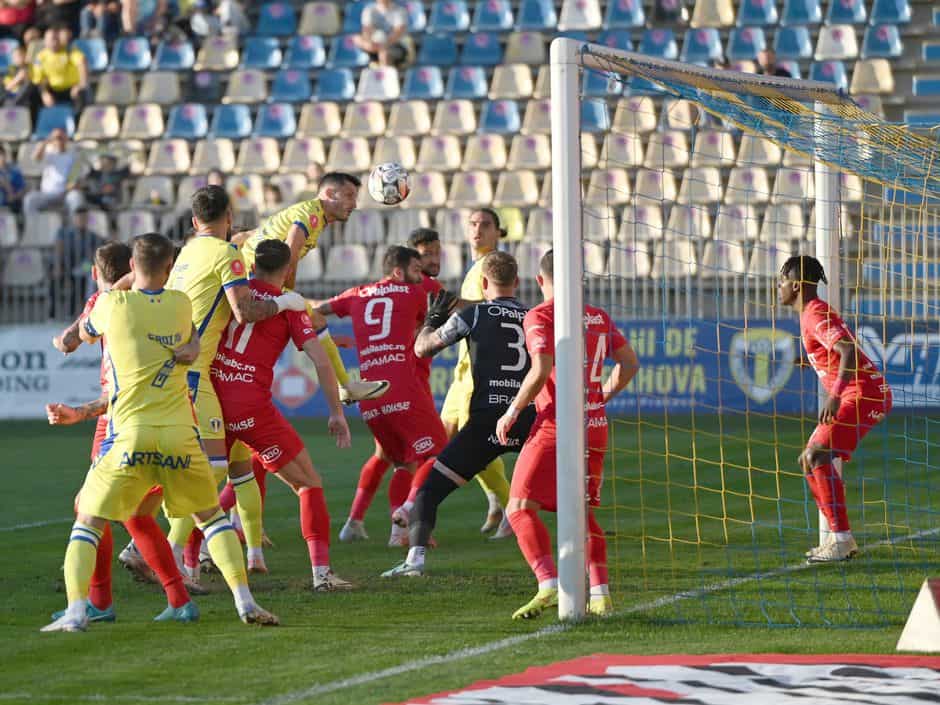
[(248, 501), (332, 352), (80, 561), (180, 529), (226, 551), (493, 479)]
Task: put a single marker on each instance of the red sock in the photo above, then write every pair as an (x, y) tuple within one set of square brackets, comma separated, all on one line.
[(315, 525), (831, 497), (227, 497), (420, 476), (597, 552), (152, 544), (191, 550), (399, 487), (534, 542), (370, 477), (261, 476), (99, 591)]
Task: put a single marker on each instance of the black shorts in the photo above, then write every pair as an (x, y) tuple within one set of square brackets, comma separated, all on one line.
[(475, 446)]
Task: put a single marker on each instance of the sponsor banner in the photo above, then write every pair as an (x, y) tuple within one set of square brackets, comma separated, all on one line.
[(726, 679)]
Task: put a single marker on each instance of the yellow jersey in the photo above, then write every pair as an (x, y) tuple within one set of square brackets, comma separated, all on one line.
[(307, 215), (142, 328), (58, 68), (470, 290), (205, 268)]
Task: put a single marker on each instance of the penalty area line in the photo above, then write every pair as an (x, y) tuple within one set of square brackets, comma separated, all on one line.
[(36, 524)]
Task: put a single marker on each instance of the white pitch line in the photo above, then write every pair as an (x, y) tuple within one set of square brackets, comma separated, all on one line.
[(36, 524)]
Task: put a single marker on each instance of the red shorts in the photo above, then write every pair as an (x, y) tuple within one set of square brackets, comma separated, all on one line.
[(855, 418), (408, 431), (534, 475), (265, 430)]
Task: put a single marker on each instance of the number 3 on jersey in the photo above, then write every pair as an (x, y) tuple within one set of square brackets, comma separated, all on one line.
[(382, 318)]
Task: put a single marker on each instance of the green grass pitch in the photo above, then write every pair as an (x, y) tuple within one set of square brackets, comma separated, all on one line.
[(712, 474)]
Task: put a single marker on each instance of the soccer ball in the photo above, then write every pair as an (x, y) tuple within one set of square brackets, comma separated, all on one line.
[(388, 183)]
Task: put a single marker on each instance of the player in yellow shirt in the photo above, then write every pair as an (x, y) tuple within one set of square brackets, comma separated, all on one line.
[(151, 439), (483, 236), (300, 226)]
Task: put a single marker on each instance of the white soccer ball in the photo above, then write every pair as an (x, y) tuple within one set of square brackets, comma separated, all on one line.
[(388, 183)]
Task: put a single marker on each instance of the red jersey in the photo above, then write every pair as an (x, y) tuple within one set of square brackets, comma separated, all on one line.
[(243, 368), (821, 328), (105, 371), (385, 317), (601, 337), (431, 286)]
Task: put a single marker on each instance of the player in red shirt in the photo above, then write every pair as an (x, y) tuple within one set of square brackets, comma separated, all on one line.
[(859, 397), (386, 316), (533, 481), (242, 375)]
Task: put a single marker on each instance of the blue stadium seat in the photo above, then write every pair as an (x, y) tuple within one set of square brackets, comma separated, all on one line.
[(890, 12), (801, 12), (492, 16), (438, 50), (600, 84), (793, 43), (793, 67), (624, 14), (481, 49), (930, 51), (846, 12), (131, 54), (423, 83), (352, 16), (344, 53), (536, 16), (578, 35), (54, 117), (95, 51), (277, 19), (262, 53), (417, 19), (466, 82), (641, 86), (745, 42), (926, 86), (174, 55), (500, 117), (922, 118), (6, 48), (305, 53), (757, 13), (701, 45), (276, 120), (829, 72), (231, 122), (882, 40), (188, 121), (659, 42), (449, 16), (616, 39), (291, 86), (336, 85), (595, 116)]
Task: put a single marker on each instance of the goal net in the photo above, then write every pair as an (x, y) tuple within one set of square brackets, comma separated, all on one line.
[(695, 186)]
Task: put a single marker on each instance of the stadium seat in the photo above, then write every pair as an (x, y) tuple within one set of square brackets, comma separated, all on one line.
[(24, 158), (24, 267), (594, 257), (599, 223), (231, 121), (486, 152), (580, 15), (470, 189), (452, 268), (500, 117), (262, 53), (526, 48), (217, 54), (41, 228), (15, 125), (801, 12), (624, 14), (116, 87), (213, 154), (512, 81), (347, 263), (713, 148), (616, 39), (836, 42), (528, 256), (277, 19), (143, 122), (492, 16), (449, 16), (423, 83), (701, 185), (98, 122), (530, 152), (796, 159), (174, 55), (846, 12), (852, 189), (98, 223), (131, 54), (792, 43), (608, 187), (8, 44), (466, 82), (630, 260), (345, 54), (428, 190), (621, 149), (744, 43), (153, 190), (595, 116), (873, 76), (395, 149), (291, 86), (246, 86), (688, 223), (792, 185), (310, 268), (378, 84), (660, 43), (882, 41), (320, 119), (441, 153), (516, 189), (401, 222), (417, 18), (655, 185), (299, 152), (276, 120), (94, 49), (438, 50), (767, 260), (409, 118), (207, 85), (9, 230), (483, 49), (926, 86), (454, 117), (681, 114), (758, 151), (890, 12), (701, 46), (188, 121), (537, 119), (334, 85), (723, 259), (747, 186), (304, 53), (673, 259), (830, 72), (536, 15), (712, 13), (160, 87), (635, 114), (782, 223), (258, 155), (542, 83), (349, 154), (320, 18), (364, 120), (601, 84), (168, 156), (736, 222), (757, 13), (669, 149), (366, 227), (246, 191), (590, 154), (538, 226)]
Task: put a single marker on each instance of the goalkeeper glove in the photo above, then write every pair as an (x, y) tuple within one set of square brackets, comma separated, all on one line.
[(439, 308)]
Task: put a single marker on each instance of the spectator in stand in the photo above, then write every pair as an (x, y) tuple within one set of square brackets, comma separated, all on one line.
[(104, 186), (16, 16), (670, 12), (232, 16), (203, 23), (12, 183), (60, 74), (74, 253), (767, 64), (51, 13), (60, 165), (16, 84), (145, 17), (101, 19), (273, 200), (383, 35)]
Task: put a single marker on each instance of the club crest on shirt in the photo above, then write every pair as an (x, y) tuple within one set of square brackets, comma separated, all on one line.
[(314, 220), (238, 267), (761, 361), (215, 424)]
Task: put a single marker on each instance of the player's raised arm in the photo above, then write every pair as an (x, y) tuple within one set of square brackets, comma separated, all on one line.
[(69, 339), (65, 415), (440, 329), (296, 239), (626, 365), (337, 425), (538, 374), (247, 309)]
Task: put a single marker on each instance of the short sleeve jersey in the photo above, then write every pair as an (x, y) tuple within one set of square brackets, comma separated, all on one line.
[(470, 290), (601, 337), (243, 369), (307, 215), (143, 328), (431, 287), (496, 349), (104, 375), (821, 328), (58, 68), (384, 20), (205, 268)]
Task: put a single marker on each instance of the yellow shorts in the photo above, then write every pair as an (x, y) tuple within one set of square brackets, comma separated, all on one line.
[(139, 458), (456, 409), (208, 409), (240, 453)]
